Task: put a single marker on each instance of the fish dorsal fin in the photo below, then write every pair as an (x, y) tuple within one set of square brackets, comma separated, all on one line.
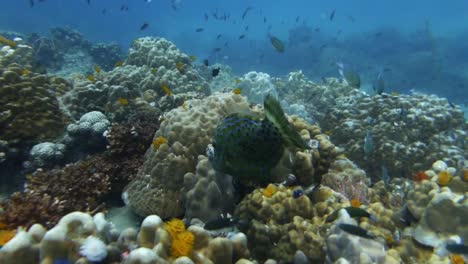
[(274, 113)]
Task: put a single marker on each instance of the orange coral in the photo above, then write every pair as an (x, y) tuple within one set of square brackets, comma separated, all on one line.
[(182, 245), (6, 235), (182, 241), (443, 178), (456, 259), (269, 190), (355, 203), (420, 176), (174, 227), (157, 142)]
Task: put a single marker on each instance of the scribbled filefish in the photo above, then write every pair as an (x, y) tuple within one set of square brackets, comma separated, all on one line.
[(277, 44), (247, 147)]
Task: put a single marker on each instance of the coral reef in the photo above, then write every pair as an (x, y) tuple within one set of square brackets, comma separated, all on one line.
[(78, 237), (172, 67), (29, 107), (280, 220), (347, 179), (188, 131), (256, 85), (47, 154), (209, 193), (409, 132), (106, 55)]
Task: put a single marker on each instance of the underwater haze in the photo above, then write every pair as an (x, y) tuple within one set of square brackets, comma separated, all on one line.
[(422, 42), (246, 132)]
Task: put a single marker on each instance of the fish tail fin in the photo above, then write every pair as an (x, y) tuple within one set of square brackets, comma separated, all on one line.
[(275, 114)]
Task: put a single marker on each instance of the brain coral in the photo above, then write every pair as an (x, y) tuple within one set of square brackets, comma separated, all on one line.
[(29, 109), (157, 188)]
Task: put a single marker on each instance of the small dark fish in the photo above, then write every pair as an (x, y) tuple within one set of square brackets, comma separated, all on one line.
[(290, 180), (317, 29), (144, 26), (352, 211), (404, 216), (297, 193), (356, 230), (217, 49), (220, 223), (226, 44), (31, 3), (323, 46), (264, 20), (460, 249), (199, 29), (297, 19), (104, 11), (246, 28), (368, 144), (332, 15), (88, 1), (246, 11), (225, 222), (206, 17), (379, 84), (219, 35), (277, 44), (242, 36), (206, 62), (378, 34), (385, 178), (351, 18), (452, 105), (215, 72)]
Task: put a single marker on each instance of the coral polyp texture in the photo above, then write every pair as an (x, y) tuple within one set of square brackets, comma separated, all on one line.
[(408, 132), (29, 108)]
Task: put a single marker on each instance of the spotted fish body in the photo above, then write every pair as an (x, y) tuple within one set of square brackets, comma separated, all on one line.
[(248, 148)]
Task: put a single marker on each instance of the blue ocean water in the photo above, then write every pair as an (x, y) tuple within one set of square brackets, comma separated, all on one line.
[(422, 43)]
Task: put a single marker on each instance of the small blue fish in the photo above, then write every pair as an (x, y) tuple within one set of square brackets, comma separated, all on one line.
[(368, 144), (297, 193)]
